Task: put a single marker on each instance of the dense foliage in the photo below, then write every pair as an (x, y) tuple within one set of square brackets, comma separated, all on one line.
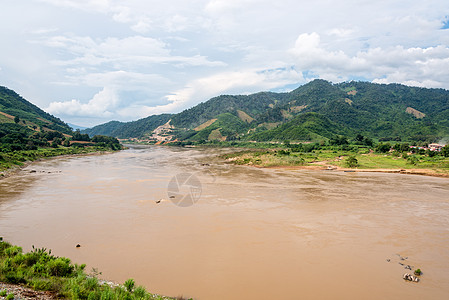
[(15, 137), (305, 127), (41, 270)]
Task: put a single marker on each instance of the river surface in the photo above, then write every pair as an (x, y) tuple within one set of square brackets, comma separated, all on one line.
[(251, 233)]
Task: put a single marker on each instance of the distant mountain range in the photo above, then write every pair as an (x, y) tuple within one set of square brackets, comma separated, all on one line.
[(316, 111), (75, 127)]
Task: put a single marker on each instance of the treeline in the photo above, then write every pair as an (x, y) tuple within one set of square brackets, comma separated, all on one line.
[(15, 137), (346, 144)]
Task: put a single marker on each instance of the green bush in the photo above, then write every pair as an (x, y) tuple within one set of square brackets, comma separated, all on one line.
[(12, 251), (351, 162), (107, 294), (40, 270), (129, 285), (60, 267), (141, 293), (3, 293), (10, 296)]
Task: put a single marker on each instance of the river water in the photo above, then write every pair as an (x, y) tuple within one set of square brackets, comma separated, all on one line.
[(251, 233)]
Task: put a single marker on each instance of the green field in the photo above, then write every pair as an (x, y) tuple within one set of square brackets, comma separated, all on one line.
[(339, 158)]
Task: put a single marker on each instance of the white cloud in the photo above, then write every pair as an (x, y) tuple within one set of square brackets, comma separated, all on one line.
[(156, 56), (101, 105), (413, 66), (245, 81)]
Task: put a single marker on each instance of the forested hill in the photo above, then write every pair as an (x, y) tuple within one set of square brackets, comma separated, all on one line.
[(129, 129), (15, 109), (315, 111), (25, 130)]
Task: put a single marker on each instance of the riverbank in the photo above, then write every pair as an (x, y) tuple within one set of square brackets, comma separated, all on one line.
[(342, 161), (40, 275)]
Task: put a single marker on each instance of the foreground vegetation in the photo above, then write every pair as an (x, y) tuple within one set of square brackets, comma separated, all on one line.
[(41, 270)]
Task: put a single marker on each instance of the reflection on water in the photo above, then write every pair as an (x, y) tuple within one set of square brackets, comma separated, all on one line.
[(254, 234)]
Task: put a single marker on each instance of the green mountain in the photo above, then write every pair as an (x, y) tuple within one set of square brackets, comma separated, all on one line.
[(14, 108), (24, 126), (318, 110), (134, 129), (252, 105), (308, 126)]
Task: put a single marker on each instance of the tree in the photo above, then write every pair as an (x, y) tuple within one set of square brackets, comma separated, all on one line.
[(352, 162), (383, 148), (16, 119), (445, 151)]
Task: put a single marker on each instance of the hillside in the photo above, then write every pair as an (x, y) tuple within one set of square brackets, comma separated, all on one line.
[(13, 106), (134, 129), (28, 133), (304, 127), (384, 112)]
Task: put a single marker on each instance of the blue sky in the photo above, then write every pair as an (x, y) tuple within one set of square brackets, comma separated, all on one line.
[(91, 61)]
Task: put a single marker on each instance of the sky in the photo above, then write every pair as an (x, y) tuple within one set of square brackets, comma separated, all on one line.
[(92, 61)]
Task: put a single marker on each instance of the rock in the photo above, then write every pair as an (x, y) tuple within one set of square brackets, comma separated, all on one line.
[(410, 277), (78, 245), (33, 171)]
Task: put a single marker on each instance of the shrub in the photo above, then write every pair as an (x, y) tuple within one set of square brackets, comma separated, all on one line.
[(107, 294), (91, 283), (351, 162), (10, 296), (12, 251), (129, 285), (60, 267), (140, 293), (3, 293)]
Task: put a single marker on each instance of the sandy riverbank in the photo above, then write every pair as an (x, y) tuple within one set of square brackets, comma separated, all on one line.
[(324, 167)]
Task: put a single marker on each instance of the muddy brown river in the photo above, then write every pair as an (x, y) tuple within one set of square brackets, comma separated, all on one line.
[(250, 234)]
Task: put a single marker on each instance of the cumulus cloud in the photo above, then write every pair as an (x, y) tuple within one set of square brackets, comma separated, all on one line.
[(101, 105), (151, 57), (412, 66), (244, 82)]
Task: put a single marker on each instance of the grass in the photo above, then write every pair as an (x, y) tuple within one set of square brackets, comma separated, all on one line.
[(41, 270), (360, 158)]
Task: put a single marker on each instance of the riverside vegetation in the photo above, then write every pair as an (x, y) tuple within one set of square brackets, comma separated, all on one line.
[(19, 144), (27, 133), (342, 153), (41, 270)]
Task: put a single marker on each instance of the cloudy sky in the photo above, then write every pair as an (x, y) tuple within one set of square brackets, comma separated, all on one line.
[(91, 61)]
